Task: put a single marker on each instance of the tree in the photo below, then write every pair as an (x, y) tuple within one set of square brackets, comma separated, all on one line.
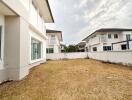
[(71, 48)]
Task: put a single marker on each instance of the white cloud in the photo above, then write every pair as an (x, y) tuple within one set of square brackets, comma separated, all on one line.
[(108, 14), (78, 18)]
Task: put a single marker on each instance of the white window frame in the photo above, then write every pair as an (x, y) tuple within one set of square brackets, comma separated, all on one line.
[(36, 60), (2, 47)]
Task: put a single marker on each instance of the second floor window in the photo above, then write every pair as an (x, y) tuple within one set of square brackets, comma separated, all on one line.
[(109, 36), (52, 39), (128, 37), (116, 36)]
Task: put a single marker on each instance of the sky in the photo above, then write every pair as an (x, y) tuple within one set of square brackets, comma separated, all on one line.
[(79, 18)]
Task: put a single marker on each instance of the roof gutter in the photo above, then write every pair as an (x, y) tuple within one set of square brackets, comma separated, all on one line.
[(50, 10)]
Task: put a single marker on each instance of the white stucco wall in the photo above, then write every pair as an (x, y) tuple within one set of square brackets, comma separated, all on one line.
[(16, 47), (123, 57), (58, 56), (55, 45)]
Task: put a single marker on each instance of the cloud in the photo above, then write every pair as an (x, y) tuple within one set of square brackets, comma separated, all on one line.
[(79, 18), (108, 14)]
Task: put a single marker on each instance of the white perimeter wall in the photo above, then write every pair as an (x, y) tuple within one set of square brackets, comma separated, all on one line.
[(59, 56), (123, 57)]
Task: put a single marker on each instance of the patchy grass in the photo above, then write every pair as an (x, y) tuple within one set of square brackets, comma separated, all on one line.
[(81, 79)]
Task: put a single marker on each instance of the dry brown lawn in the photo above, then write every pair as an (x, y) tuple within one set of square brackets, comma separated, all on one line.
[(80, 79)]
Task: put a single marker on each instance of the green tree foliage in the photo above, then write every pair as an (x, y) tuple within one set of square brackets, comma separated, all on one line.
[(71, 48)]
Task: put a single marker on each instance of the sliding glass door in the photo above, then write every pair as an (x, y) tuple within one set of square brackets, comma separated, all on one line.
[(36, 47)]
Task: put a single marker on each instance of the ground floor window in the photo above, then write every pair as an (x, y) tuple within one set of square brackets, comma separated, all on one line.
[(36, 47), (107, 48), (94, 48), (50, 50), (124, 47), (0, 40)]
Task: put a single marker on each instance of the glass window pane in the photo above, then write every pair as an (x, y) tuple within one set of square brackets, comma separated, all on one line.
[(35, 49)]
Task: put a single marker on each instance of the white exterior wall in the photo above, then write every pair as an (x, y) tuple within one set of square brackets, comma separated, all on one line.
[(16, 47), (59, 56), (55, 45), (102, 40), (123, 57), (26, 3), (94, 40), (130, 44)]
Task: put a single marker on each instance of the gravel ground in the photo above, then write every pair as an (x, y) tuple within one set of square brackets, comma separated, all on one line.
[(80, 79)]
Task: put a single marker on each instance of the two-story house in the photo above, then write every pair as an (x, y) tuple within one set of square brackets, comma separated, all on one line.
[(54, 41), (111, 39), (22, 36), (81, 46)]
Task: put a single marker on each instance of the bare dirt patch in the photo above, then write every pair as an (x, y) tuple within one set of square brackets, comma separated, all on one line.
[(81, 79)]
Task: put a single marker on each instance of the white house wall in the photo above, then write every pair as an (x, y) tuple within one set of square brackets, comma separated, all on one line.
[(16, 47), (123, 57), (98, 40), (19, 29), (130, 44), (55, 45)]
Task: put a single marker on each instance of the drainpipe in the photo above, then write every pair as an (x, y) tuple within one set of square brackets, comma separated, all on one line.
[(128, 45), (112, 47)]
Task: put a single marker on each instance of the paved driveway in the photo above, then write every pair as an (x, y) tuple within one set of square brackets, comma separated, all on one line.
[(80, 79)]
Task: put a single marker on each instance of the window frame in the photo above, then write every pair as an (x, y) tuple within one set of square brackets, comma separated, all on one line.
[(109, 36), (39, 52), (95, 49), (48, 50), (125, 47), (128, 35), (107, 48), (1, 42), (116, 36)]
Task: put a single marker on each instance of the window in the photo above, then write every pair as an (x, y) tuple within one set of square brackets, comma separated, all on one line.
[(50, 50), (107, 48), (0, 40), (124, 47), (35, 49), (128, 37), (115, 36), (53, 39), (109, 36), (94, 48)]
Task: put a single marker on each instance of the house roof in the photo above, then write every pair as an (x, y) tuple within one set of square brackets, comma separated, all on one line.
[(81, 43), (48, 31), (107, 30), (52, 31), (45, 10)]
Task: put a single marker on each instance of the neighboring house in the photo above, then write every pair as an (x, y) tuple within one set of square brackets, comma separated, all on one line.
[(81, 46), (53, 41), (109, 39), (22, 36)]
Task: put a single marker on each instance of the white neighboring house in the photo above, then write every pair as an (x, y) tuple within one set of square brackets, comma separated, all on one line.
[(54, 41), (22, 36), (111, 39), (81, 46)]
